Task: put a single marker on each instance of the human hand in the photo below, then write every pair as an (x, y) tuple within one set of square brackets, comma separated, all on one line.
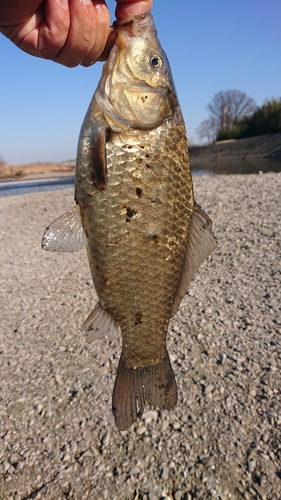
[(69, 32)]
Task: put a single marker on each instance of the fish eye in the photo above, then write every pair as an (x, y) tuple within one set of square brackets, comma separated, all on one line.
[(156, 62)]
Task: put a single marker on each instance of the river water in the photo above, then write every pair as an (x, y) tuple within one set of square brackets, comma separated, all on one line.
[(16, 187)]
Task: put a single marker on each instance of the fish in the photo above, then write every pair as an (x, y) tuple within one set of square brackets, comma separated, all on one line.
[(135, 212)]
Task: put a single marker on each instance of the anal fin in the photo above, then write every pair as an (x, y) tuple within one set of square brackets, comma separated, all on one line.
[(155, 385), (99, 323)]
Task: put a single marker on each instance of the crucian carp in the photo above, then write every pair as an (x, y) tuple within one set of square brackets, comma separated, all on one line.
[(135, 212)]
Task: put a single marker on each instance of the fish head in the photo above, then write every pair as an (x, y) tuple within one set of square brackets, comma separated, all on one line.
[(137, 89)]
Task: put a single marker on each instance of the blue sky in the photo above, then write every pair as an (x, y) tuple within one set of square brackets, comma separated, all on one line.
[(212, 45)]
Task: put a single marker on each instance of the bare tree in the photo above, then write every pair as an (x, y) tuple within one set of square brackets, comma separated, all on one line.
[(208, 130), (229, 106), (225, 109)]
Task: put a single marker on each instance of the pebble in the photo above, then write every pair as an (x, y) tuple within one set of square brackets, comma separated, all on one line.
[(106, 438), (141, 430), (73, 446), (178, 495), (223, 358), (251, 465), (209, 388), (150, 415), (165, 473), (151, 496), (134, 471)]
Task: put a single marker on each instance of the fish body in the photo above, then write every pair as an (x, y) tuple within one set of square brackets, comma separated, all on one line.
[(145, 235)]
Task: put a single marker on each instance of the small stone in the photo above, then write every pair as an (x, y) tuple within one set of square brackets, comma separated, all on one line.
[(5, 466), (134, 471), (176, 426), (209, 388), (265, 437), (19, 465), (228, 401), (86, 454), (141, 430), (39, 407), (165, 425), (73, 446), (264, 455), (253, 393), (178, 495), (222, 357), (106, 438), (251, 465), (151, 496), (165, 473), (152, 415)]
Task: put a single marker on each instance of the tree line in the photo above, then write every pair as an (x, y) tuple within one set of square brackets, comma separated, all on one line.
[(234, 115)]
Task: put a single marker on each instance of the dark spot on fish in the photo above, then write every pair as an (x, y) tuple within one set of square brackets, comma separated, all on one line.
[(143, 98), (129, 147), (131, 212), (147, 155), (138, 318), (139, 192), (153, 237), (106, 280), (147, 165), (97, 268), (139, 160)]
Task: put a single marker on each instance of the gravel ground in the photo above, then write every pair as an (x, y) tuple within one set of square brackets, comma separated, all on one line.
[(57, 435)]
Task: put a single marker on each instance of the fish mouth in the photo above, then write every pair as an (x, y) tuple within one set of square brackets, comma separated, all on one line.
[(141, 25), (136, 22)]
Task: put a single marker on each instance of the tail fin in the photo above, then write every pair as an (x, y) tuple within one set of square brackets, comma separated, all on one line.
[(154, 384)]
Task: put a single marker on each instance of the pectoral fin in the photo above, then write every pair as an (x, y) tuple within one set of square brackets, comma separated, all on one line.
[(201, 244), (65, 234), (99, 160)]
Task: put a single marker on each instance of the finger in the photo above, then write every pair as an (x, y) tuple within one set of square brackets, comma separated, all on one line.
[(44, 33), (125, 8), (88, 33), (103, 35), (12, 13)]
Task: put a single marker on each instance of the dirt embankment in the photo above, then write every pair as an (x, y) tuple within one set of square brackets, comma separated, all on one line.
[(253, 148), (9, 171)]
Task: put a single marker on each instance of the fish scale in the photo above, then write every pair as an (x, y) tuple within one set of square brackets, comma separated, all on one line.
[(145, 242), (145, 235)]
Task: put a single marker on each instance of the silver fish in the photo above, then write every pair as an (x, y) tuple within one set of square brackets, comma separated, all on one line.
[(135, 212)]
